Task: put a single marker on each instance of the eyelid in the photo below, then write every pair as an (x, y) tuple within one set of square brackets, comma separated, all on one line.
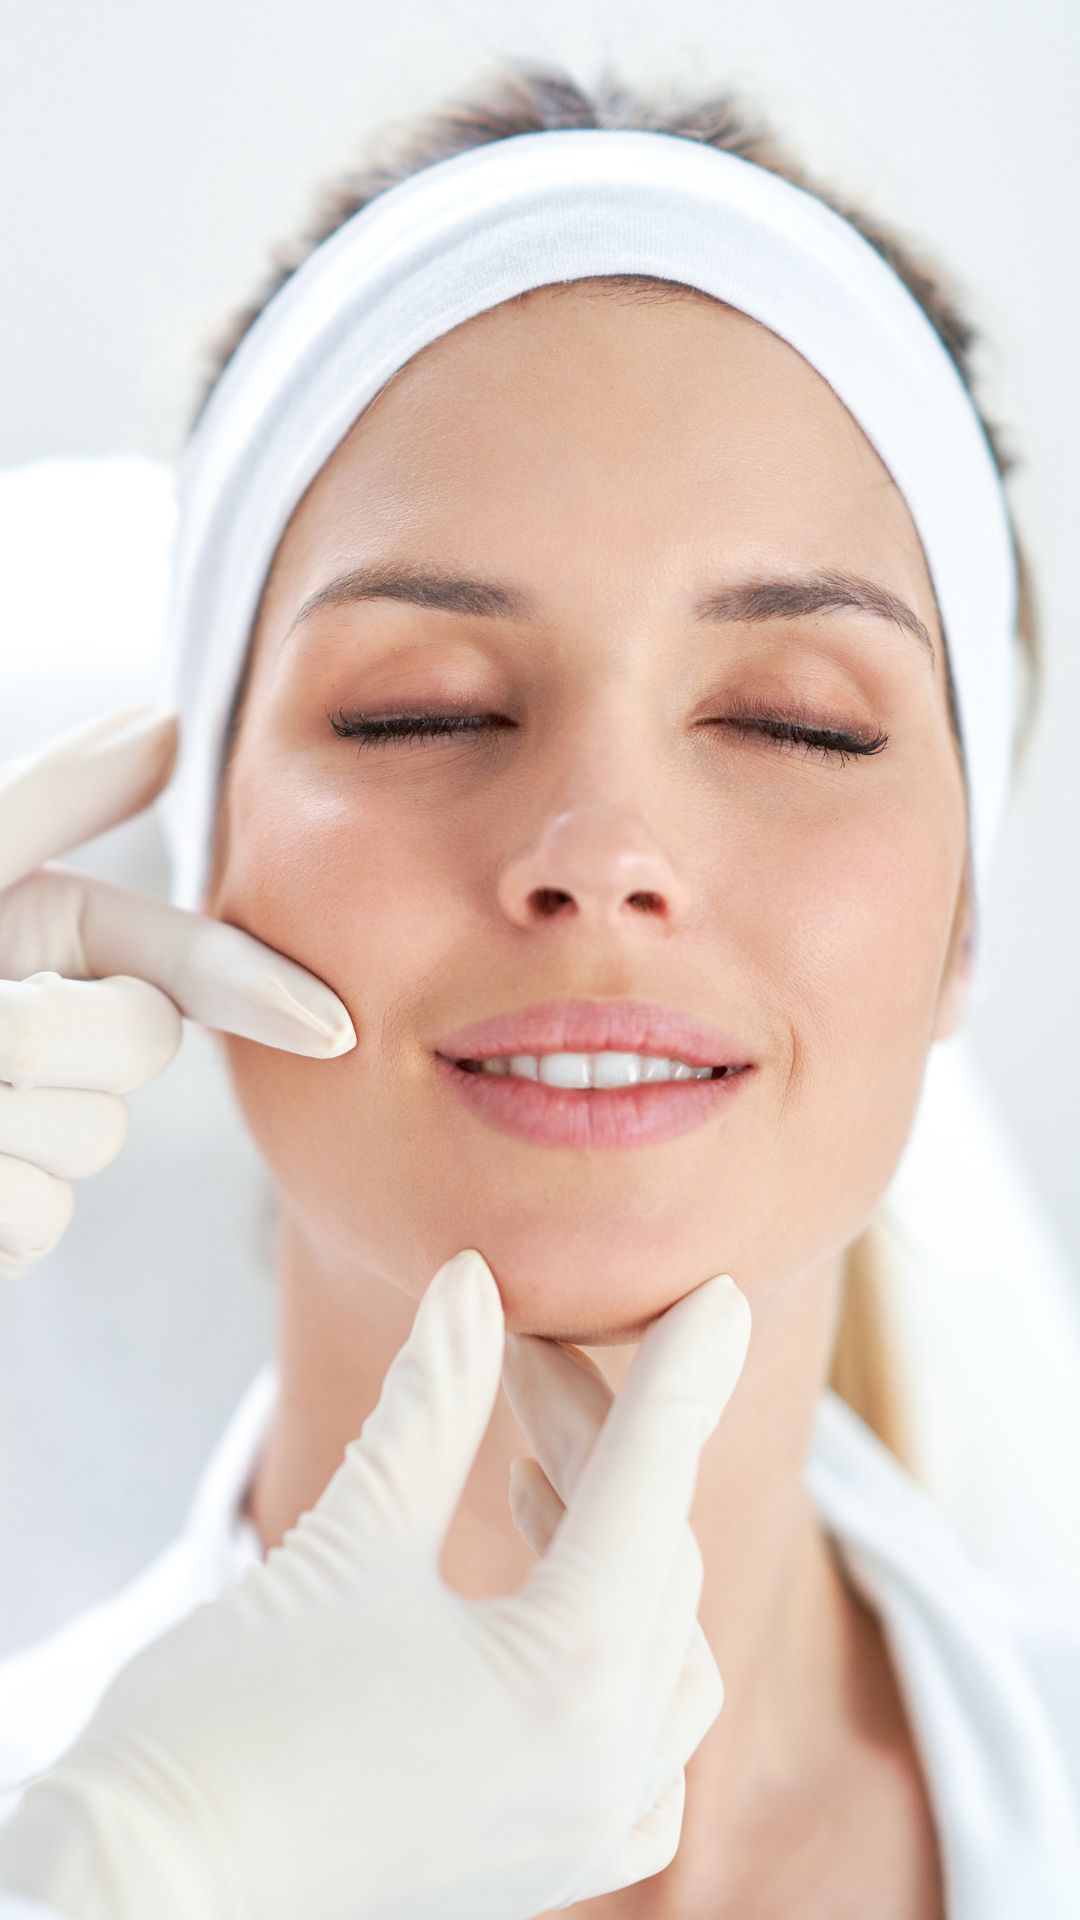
[(783, 730), (774, 709)]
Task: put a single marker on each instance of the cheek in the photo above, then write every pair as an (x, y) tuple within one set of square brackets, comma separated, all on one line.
[(327, 881), (855, 947), (864, 931), (357, 902)]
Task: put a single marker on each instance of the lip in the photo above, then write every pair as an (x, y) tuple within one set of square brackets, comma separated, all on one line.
[(597, 1026), (641, 1115)]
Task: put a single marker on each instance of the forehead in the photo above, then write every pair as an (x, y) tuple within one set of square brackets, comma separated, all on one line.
[(656, 425)]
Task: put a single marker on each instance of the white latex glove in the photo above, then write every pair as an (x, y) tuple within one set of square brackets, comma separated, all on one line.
[(560, 1398), (340, 1735), (94, 977)]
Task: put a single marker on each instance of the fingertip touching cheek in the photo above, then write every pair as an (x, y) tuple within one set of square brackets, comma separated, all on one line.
[(600, 660)]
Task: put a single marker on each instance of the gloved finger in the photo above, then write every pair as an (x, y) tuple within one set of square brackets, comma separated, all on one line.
[(696, 1702), (609, 1562), (560, 1398), (87, 928), (402, 1478), (535, 1506), (35, 1209), (647, 1849), (66, 1132), (82, 782), (653, 1842), (675, 1628), (105, 1035), (682, 1687)]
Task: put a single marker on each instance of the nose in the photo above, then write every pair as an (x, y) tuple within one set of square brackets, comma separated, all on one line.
[(597, 861)]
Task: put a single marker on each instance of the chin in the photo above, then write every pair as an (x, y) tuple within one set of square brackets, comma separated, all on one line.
[(624, 1336), (549, 1322)]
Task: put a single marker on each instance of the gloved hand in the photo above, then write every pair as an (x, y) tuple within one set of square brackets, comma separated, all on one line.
[(341, 1735), (94, 977)]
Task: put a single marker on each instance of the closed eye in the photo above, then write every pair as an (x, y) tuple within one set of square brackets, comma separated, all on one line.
[(833, 743)]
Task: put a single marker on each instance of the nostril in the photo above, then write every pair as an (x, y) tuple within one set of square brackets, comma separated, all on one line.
[(549, 900)]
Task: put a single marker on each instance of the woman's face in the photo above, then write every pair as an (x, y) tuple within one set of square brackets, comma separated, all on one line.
[(613, 461)]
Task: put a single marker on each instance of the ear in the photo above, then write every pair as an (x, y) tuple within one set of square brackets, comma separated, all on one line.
[(956, 980)]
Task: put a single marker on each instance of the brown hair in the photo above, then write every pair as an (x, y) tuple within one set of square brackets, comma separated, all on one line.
[(526, 97)]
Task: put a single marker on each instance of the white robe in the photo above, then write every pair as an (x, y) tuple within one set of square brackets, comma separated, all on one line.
[(992, 1688)]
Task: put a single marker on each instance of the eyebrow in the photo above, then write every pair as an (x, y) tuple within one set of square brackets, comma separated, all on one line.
[(751, 601)]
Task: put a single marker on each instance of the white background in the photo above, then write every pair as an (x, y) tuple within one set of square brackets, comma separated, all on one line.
[(150, 156)]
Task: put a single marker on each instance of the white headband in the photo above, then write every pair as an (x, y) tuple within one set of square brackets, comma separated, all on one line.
[(469, 232)]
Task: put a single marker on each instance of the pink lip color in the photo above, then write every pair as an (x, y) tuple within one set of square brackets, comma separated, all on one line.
[(602, 1117), (597, 1026)]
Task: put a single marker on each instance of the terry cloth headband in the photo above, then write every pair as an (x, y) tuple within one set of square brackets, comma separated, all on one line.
[(467, 233)]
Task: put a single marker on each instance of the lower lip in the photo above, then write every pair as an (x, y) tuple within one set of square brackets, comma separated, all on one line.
[(636, 1116)]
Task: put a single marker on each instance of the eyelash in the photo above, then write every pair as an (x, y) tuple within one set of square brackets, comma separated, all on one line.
[(831, 743)]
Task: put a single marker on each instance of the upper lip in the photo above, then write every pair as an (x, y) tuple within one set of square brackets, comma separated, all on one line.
[(596, 1026)]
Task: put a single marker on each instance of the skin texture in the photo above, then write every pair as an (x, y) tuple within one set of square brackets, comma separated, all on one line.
[(613, 458)]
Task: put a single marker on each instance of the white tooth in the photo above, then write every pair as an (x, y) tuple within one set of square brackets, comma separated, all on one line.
[(524, 1064), (500, 1064), (616, 1069), (655, 1069), (565, 1069)]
